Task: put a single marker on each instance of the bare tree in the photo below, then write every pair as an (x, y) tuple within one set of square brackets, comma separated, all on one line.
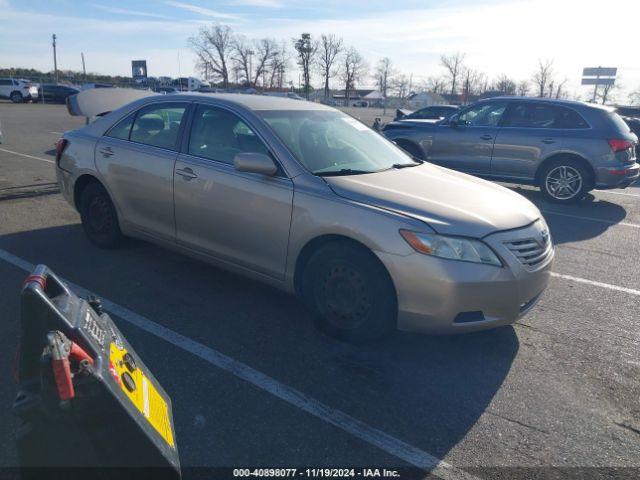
[(606, 92), (634, 97), (306, 48), (543, 77), (384, 74), (241, 56), (400, 86), (505, 85), (329, 48), (453, 64), (264, 51), (278, 66), (435, 84), (560, 92), (472, 82), (353, 69), (523, 88), (213, 46)]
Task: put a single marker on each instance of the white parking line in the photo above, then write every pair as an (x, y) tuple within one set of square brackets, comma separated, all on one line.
[(27, 156), (596, 284), (592, 219), (393, 446), (57, 133)]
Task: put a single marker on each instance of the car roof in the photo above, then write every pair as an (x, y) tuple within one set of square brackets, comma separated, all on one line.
[(251, 102), (554, 101)]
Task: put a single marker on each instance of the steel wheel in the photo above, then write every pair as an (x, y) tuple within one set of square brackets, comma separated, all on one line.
[(563, 182), (99, 217), (344, 293)]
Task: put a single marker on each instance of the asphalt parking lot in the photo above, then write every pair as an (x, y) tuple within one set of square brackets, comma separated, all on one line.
[(254, 384)]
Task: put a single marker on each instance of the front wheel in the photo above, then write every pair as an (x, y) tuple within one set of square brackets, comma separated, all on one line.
[(99, 217), (349, 293), (16, 97), (565, 181)]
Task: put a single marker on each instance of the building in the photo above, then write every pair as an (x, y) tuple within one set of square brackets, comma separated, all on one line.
[(416, 101), (359, 98)]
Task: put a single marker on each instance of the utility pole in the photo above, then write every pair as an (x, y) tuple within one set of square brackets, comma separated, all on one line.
[(55, 60), (84, 68)]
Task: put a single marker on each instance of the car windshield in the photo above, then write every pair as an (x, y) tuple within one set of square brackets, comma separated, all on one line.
[(332, 143)]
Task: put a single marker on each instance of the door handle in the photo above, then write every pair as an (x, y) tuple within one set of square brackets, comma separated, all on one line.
[(186, 173), (548, 141), (486, 136), (106, 151)]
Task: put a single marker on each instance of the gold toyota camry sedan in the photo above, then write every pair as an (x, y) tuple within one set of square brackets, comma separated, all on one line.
[(308, 199)]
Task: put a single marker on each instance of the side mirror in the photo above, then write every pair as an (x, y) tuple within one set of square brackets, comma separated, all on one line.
[(454, 121), (255, 163)]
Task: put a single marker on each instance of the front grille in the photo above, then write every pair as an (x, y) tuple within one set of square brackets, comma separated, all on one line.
[(530, 251)]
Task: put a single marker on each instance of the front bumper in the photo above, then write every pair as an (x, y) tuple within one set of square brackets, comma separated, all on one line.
[(617, 177), (446, 296)]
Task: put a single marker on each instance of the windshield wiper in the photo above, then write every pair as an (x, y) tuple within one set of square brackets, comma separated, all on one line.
[(343, 171)]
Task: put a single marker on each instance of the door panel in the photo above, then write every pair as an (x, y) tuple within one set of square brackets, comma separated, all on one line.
[(136, 159), (528, 136), (519, 151), (463, 148), (140, 180), (466, 142), (236, 216)]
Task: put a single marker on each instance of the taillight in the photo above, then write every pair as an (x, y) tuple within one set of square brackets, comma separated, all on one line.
[(618, 144), (61, 144)]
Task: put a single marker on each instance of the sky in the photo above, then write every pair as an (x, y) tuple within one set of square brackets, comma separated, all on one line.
[(497, 36)]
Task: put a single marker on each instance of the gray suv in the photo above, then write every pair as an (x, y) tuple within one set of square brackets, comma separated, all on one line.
[(566, 148)]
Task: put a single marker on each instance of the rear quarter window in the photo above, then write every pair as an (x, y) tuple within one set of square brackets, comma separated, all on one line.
[(569, 118)]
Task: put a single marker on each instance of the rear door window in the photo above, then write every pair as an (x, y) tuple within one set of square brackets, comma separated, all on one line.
[(531, 115), (158, 125)]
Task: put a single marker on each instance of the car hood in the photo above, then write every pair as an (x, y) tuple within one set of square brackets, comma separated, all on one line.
[(450, 202)]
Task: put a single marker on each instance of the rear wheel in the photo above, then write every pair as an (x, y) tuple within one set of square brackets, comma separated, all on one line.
[(16, 97), (565, 181), (349, 293), (99, 217)]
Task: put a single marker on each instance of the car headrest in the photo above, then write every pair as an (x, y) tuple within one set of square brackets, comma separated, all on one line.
[(150, 122)]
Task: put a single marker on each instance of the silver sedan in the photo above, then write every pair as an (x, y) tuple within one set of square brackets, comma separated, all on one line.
[(307, 199)]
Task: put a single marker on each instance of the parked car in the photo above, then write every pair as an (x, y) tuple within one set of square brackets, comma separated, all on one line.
[(634, 125), (165, 90), (55, 93), (18, 90), (371, 239), (435, 112), (566, 148)]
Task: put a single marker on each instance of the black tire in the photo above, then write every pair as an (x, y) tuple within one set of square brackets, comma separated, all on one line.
[(349, 293), (99, 217), (571, 178), (16, 97)]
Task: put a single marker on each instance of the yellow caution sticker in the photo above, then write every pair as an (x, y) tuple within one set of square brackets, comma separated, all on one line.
[(144, 395)]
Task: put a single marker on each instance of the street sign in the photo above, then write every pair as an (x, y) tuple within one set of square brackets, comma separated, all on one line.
[(599, 72), (598, 81), (596, 76)]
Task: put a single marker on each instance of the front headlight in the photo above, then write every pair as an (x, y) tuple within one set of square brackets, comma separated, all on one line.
[(453, 248)]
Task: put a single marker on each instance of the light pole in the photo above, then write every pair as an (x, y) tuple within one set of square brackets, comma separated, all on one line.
[(55, 60)]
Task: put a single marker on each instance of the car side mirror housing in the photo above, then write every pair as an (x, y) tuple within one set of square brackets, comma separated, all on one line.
[(255, 163), (454, 121)]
